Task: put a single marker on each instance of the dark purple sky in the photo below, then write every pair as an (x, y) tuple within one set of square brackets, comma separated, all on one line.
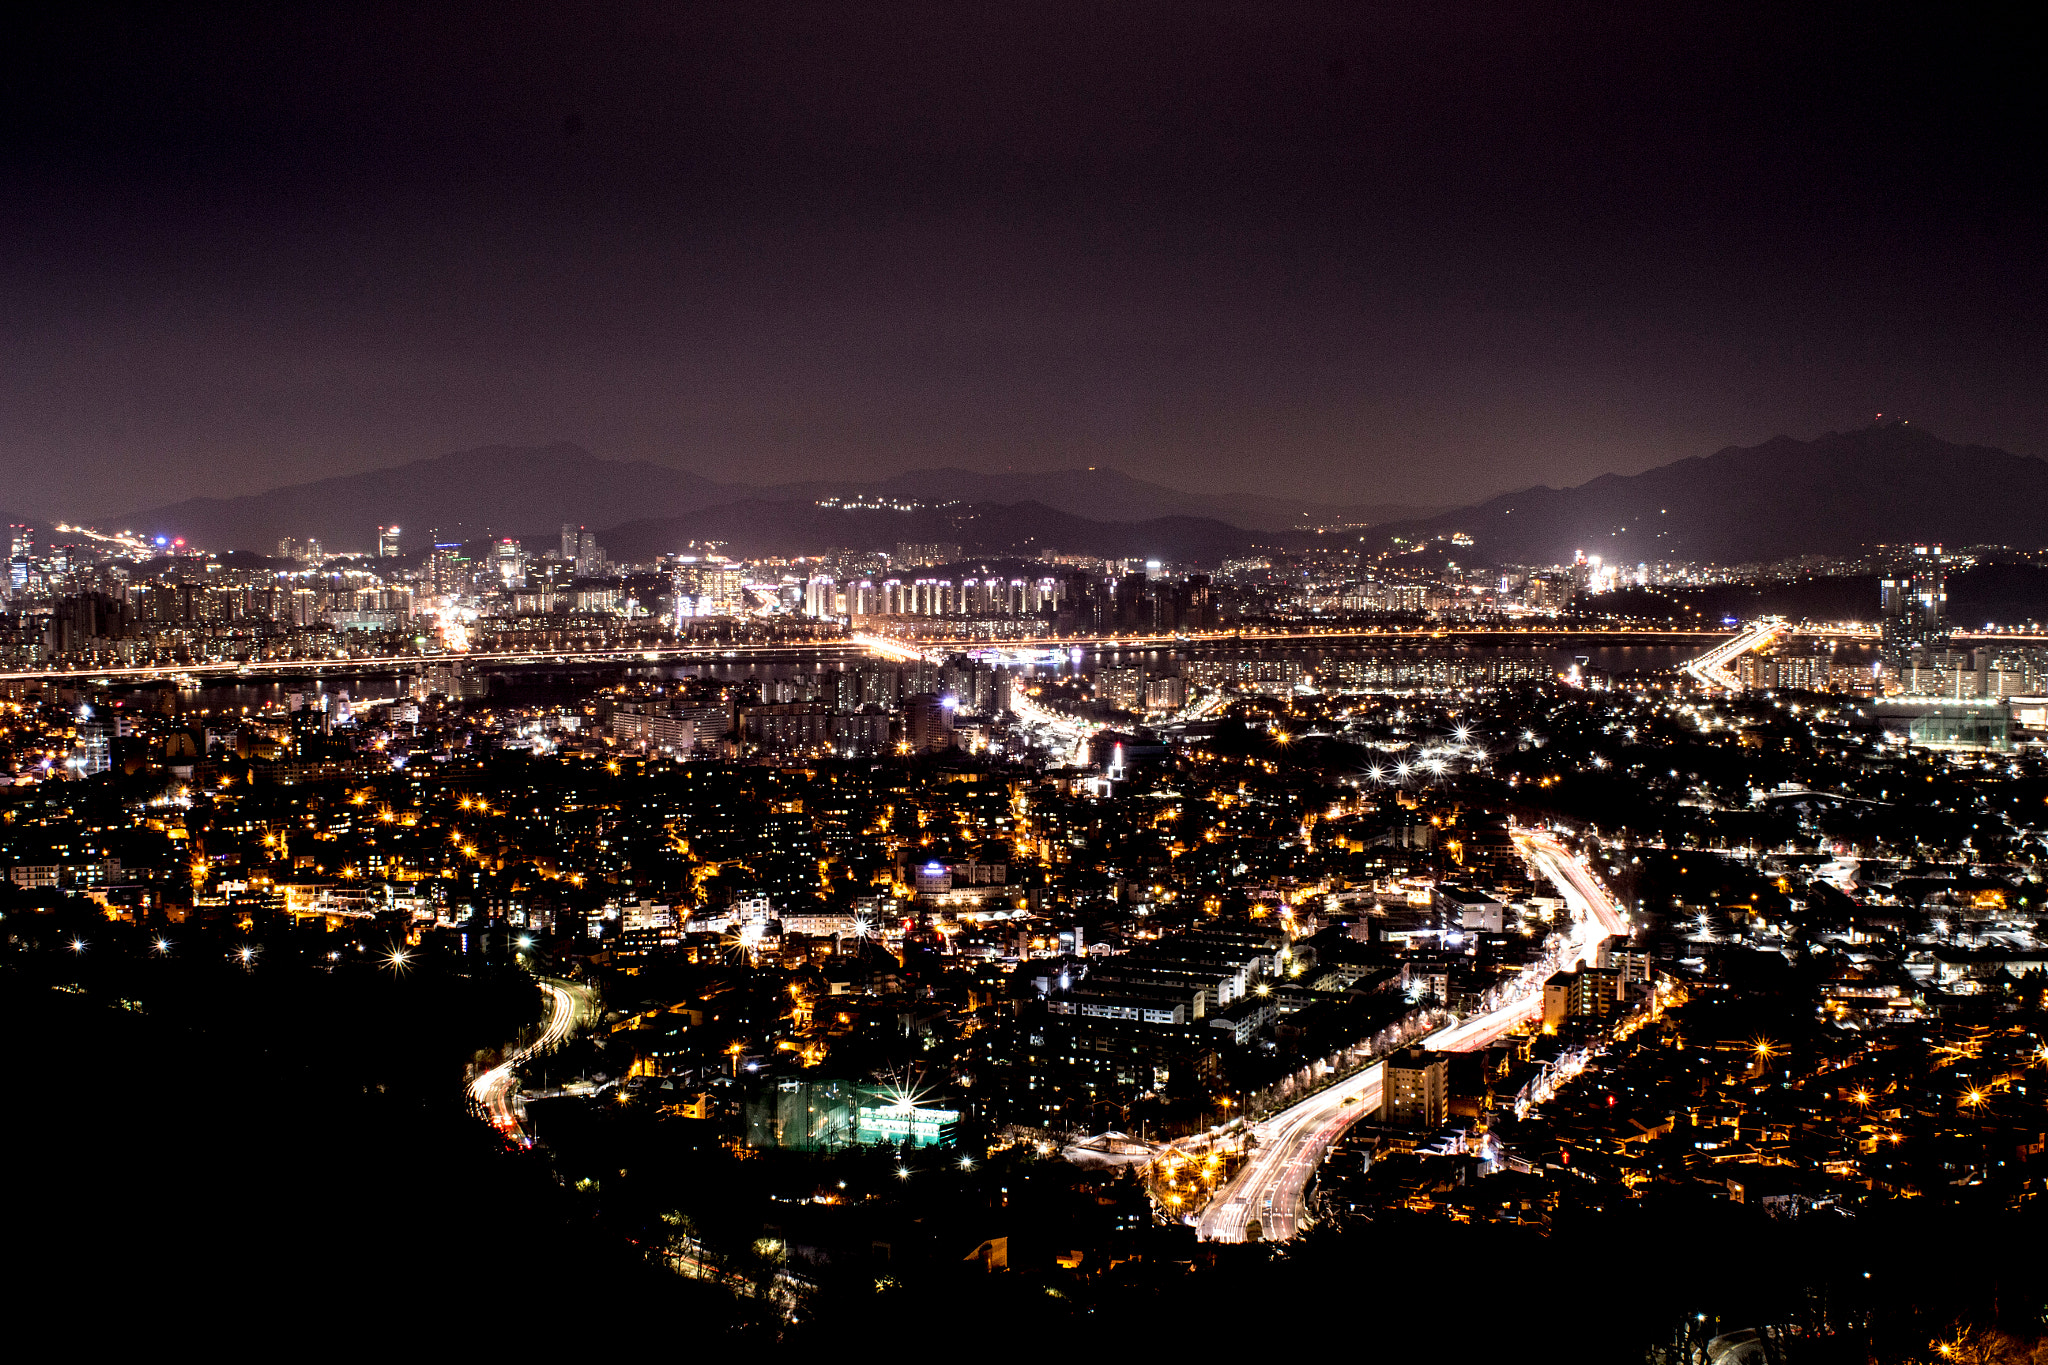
[(1359, 252)]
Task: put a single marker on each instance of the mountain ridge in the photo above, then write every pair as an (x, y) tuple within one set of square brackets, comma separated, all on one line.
[(494, 490), (1835, 494)]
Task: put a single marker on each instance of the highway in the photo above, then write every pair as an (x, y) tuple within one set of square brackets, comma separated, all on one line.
[(495, 1091), (1291, 1144), (1268, 1188), (1575, 882)]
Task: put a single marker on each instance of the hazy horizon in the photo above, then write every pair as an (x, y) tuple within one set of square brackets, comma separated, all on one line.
[(1301, 250)]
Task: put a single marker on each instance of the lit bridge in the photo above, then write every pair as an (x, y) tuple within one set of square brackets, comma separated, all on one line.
[(1711, 668)]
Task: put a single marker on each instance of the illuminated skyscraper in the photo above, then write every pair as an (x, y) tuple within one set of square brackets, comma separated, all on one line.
[(21, 549), (1913, 601), (509, 560), (387, 542)]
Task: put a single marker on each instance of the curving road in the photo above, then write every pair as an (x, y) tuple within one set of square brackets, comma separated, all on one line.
[(495, 1090), (1269, 1188), (1055, 725)]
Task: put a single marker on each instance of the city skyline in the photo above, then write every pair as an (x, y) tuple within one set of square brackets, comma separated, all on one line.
[(1139, 680)]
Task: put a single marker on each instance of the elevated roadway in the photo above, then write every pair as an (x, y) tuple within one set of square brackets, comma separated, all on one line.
[(395, 663), (1210, 639), (1269, 1188), (909, 649), (901, 648)]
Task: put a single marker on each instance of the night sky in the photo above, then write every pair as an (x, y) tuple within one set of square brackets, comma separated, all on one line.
[(1363, 252)]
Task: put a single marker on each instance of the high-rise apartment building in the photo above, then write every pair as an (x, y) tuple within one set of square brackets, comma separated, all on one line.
[(589, 556), (1165, 694), (913, 555), (1415, 1089), (1585, 993), (1123, 688), (569, 540), (927, 723), (820, 596)]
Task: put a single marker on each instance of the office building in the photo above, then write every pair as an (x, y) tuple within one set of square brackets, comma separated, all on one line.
[(927, 723), (510, 562), (387, 542)]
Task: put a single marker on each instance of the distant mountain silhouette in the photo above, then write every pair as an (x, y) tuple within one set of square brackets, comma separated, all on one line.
[(530, 491), (1881, 484), (497, 490), (1025, 530), (1845, 490)]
